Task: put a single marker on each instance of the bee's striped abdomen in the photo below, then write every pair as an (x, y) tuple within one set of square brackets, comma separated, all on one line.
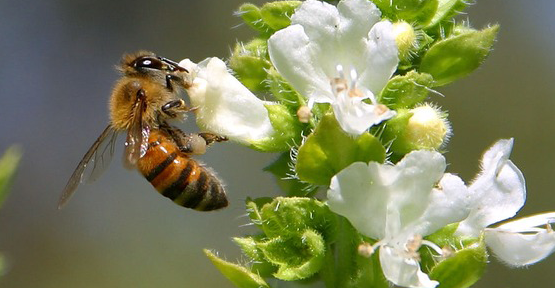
[(176, 176)]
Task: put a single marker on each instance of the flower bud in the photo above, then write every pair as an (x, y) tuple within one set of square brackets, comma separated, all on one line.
[(428, 127), (423, 127), (405, 37)]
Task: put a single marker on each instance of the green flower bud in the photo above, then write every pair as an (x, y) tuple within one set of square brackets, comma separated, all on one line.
[(253, 17), (423, 127), (428, 127), (405, 37), (249, 62), (277, 14), (407, 90)]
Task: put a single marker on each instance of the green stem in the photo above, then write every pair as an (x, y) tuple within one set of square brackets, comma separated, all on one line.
[(340, 257)]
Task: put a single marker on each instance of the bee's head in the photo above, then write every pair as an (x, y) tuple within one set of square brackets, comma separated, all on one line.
[(148, 64)]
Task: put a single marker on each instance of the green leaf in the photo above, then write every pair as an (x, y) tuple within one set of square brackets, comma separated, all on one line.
[(297, 257), (252, 15), (282, 170), (249, 62), (288, 130), (239, 275), (329, 149), (8, 167), (406, 91), (413, 11), (455, 57), (464, 268), (277, 14), (446, 10)]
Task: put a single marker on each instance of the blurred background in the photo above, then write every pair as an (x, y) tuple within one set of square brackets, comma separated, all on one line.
[(56, 74)]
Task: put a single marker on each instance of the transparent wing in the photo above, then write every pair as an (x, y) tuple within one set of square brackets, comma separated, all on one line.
[(105, 139), (136, 142), (102, 158)]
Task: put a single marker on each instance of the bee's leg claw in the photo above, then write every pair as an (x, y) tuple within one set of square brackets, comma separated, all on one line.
[(175, 107), (211, 138)]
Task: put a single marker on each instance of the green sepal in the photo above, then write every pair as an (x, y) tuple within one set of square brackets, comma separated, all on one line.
[(407, 90), (283, 91), (253, 209), (298, 256), (464, 267), (290, 216), (394, 133), (288, 130), (249, 246), (329, 149), (296, 231), (252, 16), (8, 167), (446, 10), (239, 275), (281, 168), (413, 11), (277, 14), (249, 62), (457, 56)]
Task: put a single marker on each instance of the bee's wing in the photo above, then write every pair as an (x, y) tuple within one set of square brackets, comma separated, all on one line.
[(106, 139), (136, 142)]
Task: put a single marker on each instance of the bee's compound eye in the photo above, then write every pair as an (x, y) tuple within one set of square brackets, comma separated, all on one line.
[(149, 62)]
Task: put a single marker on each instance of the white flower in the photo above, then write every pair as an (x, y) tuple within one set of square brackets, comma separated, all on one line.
[(321, 42), (398, 205), (223, 105), (498, 193)]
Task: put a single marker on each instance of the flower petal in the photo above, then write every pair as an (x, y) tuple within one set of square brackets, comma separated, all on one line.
[(403, 271), (295, 57), (381, 199), (380, 57), (499, 191), (520, 242), (224, 105), (354, 116)]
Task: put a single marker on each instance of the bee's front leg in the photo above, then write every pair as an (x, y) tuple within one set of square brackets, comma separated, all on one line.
[(175, 107), (211, 138)]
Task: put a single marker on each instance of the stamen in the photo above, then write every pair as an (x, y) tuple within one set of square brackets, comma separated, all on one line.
[(354, 77), (433, 246), (447, 252), (414, 243), (338, 85), (355, 93), (304, 114), (366, 250), (380, 109), (339, 69)]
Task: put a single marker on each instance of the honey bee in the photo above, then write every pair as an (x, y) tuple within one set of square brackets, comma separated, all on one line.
[(142, 102)]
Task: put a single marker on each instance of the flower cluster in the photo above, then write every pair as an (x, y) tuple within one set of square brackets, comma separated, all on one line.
[(347, 86)]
